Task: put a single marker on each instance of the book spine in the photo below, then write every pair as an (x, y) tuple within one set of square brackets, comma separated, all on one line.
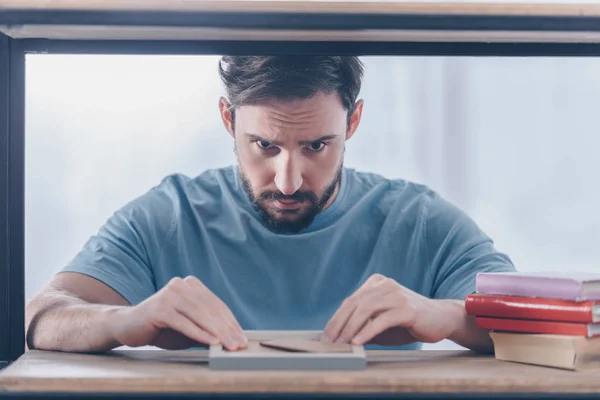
[(529, 326), (529, 308)]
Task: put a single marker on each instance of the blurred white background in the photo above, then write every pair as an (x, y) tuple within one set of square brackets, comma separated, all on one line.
[(512, 141)]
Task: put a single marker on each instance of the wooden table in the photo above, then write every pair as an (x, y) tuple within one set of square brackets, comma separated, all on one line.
[(409, 373)]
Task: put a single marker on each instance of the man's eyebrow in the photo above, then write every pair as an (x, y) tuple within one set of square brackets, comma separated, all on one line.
[(254, 137), (321, 139)]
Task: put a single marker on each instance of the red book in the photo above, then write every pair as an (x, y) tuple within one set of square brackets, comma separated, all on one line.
[(532, 308), (531, 326)]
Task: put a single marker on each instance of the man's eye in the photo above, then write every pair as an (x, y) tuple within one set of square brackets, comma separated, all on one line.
[(316, 146), (263, 144)]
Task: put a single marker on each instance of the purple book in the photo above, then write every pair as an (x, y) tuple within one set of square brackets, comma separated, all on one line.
[(574, 286)]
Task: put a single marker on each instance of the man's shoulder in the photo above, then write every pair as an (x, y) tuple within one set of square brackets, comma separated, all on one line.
[(174, 192), (210, 181), (391, 189), (402, 199)]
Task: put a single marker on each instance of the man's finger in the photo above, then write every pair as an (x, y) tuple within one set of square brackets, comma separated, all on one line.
[(222, 315), (339, 319), (370, 304), (197, 313), (229, 318), (222, 320), (180, 323), (386, 320), (368, 309), (209, 297)]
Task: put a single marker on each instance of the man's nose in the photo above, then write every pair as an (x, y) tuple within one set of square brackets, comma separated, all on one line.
[(288, 177)]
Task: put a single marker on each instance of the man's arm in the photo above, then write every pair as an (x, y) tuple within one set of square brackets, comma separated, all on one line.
[(459, 249), (68, 316), (107, 295), (466, 333), (382, 311), (73, 313)]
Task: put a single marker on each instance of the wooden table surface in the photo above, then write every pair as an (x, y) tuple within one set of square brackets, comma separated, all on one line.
[(456, 7), (160, 371)]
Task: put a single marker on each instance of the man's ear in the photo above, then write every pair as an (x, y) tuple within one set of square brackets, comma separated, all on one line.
[(226, 115), (355, 119)]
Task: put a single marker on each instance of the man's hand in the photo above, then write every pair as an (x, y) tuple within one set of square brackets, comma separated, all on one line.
[(382, 311), (183, 313)]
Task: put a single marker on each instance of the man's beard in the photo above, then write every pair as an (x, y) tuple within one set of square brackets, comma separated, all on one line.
[(282, 225)]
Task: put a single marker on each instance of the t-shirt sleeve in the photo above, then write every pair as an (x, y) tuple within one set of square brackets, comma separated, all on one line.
[(122, 253), (458, 249)]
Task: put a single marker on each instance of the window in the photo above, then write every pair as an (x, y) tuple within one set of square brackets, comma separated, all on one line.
[(510, 140)]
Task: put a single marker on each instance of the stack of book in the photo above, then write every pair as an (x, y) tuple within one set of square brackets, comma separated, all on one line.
[(542, 318)]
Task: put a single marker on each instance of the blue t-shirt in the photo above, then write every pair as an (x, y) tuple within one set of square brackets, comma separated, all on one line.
[(207, 227)]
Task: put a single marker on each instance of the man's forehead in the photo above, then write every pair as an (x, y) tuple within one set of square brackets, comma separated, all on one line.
[(319, 105)]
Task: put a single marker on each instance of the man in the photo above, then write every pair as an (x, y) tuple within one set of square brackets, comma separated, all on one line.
[(287, 239)]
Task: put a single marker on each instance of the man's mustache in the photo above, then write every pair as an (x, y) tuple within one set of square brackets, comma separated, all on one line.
[(298, 196)]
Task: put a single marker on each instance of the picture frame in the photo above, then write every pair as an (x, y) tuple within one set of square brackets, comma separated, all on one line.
[(257, 357)]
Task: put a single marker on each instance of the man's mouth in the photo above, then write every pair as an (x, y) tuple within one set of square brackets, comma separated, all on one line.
[(287, 204)]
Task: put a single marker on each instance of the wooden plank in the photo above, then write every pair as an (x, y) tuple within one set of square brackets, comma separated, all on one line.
[(186, 371), (362, 7), (152, 20), (66, 32)]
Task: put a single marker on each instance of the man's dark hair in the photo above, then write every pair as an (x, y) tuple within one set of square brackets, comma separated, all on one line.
[(252, 79)]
